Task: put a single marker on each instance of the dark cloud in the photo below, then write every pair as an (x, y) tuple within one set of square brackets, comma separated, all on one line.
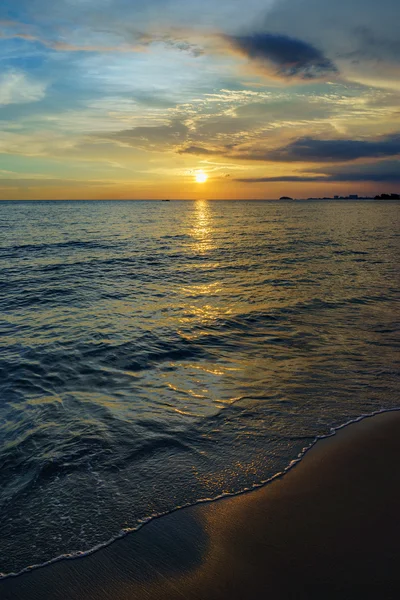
[(283, 179), (309, 149), (382, 172), (283, 56)]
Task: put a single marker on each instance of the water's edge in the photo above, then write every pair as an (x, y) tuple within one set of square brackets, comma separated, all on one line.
[(143, 522)]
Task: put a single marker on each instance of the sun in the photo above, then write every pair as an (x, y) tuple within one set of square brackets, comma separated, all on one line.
[(201, 177)]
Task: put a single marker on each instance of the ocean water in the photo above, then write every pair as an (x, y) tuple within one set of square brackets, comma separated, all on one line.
[(154, 354)]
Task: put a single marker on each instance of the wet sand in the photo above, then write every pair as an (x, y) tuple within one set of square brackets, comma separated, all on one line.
[(329, 528)]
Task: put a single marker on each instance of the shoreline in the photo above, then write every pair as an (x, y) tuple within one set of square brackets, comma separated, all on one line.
[(79, 554), (247, 544)]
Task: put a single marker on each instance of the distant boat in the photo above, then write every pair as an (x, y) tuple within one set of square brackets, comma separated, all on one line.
[(166, 200)]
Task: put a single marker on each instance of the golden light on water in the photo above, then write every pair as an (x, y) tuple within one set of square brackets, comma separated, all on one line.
[(201, 230), (201, 177)]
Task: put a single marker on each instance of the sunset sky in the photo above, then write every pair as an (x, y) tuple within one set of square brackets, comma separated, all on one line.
[(135, 98)]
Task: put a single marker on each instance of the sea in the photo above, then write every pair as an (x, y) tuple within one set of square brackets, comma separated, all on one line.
[(157, 354)]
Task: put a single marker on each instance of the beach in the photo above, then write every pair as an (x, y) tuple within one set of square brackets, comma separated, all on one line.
[(199, 300), (328, 528)]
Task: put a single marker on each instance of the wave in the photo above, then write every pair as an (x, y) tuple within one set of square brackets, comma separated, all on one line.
[(71, 244), (293, 463)]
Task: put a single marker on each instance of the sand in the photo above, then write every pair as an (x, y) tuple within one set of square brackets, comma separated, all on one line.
[(329, 528)]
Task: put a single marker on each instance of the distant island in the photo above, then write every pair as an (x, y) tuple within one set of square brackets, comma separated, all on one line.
[(357, 197), (388, 197), (349, 197)]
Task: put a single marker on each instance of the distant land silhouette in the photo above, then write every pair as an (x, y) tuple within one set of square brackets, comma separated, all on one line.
[(355, 197), (388, 197)]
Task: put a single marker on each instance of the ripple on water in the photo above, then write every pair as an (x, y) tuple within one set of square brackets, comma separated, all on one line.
[(152, 356)]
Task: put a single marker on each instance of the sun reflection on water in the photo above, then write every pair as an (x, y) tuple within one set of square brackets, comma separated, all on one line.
[(201, 231)]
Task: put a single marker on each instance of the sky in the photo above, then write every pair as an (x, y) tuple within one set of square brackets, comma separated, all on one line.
[(139, 99)]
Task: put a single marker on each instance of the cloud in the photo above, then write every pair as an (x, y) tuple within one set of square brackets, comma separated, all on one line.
[(140, 44), (371, 45), (42, 182), (123, 39), (361, 36), (309, 149), (283, 179), (381, 172), (293, 108), (283, 56), (152, 138), (219, 125), (18, 88), (174, 41), (196, 150)]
